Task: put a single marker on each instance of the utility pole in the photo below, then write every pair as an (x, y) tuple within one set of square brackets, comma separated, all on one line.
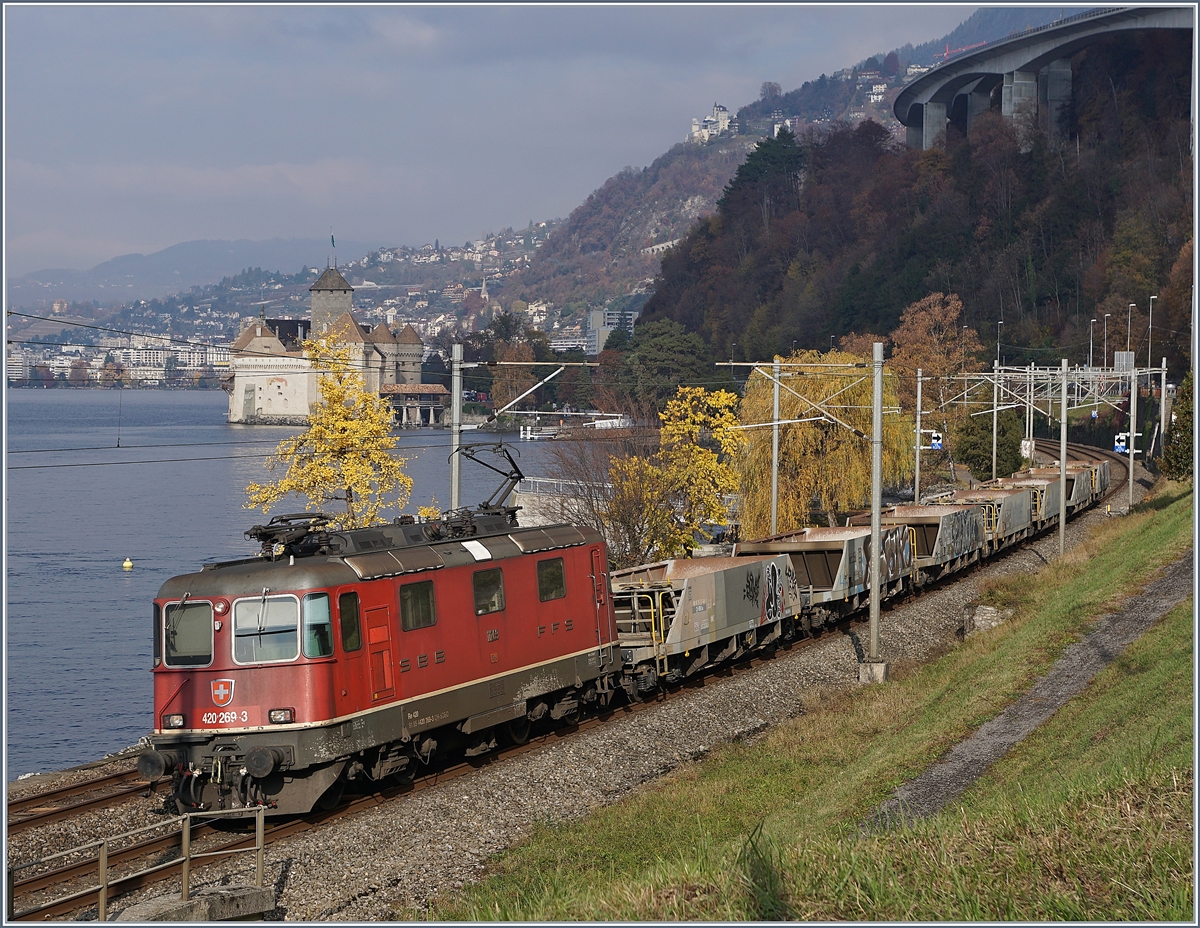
[(1150, 338), (775, 452), (1129, 325), (1162, 407), (995, 404), (917, 469), (456, 391), (875, 670), (1062, 467), (1132, 428), (1090, 325)]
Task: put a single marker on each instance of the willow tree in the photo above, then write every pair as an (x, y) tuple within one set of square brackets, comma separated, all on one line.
[(345, 456), (824, 463)]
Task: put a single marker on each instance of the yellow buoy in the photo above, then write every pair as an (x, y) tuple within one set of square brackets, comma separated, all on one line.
[(128, 565)]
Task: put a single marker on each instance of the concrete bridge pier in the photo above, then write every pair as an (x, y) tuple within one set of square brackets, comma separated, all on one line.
[(933, 123), (1054, 94)]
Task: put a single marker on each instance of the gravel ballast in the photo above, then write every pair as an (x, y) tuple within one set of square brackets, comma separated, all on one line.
[(402, 855)]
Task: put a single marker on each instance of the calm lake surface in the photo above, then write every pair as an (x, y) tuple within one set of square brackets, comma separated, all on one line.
[(96, 476)]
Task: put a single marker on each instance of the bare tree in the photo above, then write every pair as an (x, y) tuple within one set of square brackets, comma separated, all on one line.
[(770, 91)]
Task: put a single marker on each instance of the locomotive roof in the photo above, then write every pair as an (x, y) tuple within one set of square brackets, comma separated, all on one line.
[(368, 554)]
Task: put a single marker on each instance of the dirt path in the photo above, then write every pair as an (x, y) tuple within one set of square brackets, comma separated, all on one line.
[(968, 760)]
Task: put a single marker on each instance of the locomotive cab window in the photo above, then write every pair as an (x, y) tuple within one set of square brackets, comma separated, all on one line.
[(266, 629), (416, 606), (157, 625), (188, 634), (552, 580), (318, 626), (489, 591), (348, 609)]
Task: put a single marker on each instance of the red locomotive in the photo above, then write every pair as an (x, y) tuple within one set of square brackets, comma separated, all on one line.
[(339, 655)]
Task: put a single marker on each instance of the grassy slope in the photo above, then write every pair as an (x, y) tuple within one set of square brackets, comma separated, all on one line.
[(1089, 818)]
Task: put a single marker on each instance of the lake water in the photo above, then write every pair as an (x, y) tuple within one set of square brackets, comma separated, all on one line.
[(77, 630)]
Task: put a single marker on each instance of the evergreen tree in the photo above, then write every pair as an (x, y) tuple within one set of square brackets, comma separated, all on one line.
[(1176, 461)]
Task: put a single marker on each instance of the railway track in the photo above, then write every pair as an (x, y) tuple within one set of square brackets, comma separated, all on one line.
[(208, 837), (211, 838), (70, 800)]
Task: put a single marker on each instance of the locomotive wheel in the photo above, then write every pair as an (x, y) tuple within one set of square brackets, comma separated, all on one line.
[(518, 730), (332, 796)]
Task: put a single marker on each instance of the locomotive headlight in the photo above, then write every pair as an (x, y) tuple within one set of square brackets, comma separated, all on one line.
[(172, 721), (220, 606), (280, 716)]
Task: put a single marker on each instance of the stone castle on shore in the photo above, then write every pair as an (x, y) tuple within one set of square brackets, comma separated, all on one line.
[(271, 382)]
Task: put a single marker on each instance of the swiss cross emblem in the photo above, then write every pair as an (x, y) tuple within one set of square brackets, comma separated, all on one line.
[(222, 692)]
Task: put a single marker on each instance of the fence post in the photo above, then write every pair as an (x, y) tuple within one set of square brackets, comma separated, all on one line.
[(258, 845), (102, 912), (187, 851), (10, 886)]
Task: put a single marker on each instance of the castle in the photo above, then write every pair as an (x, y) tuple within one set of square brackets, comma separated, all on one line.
[(271, 382)]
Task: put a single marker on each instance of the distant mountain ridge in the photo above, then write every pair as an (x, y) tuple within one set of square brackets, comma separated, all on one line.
[(173, 269)]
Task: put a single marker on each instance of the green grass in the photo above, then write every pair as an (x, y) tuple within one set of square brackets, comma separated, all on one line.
[(1089, 818)]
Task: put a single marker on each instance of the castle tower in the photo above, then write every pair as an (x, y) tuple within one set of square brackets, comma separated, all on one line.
[(410, 351), (331, 297)]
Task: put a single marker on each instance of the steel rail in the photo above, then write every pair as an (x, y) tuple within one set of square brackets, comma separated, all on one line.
[(47, 816), (71, 789)]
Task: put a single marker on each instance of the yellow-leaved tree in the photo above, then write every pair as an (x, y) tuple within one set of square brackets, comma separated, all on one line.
[(660, 505), (345, 455), (824, 467)]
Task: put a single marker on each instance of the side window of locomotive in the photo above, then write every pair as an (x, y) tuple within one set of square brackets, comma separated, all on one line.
[(318, 625), (348, 608), (157, 635), (416, 605), (188, 634), (552, 580), (266, 629), (489, 591)]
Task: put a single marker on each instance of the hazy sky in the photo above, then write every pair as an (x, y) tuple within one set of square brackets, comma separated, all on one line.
[(131, 128)]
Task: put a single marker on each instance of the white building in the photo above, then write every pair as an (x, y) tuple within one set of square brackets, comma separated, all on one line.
[(710, 127), (271, 382)]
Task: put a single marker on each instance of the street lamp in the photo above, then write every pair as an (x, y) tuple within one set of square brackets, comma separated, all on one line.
[(1090, 324), (1105, 363), (998, 324), (1128, 324)]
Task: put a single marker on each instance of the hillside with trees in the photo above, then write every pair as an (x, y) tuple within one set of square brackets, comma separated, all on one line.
[(597, 254), (839, 230)]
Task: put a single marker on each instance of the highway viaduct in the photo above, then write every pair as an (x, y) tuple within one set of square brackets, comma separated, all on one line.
[(1033, 69)]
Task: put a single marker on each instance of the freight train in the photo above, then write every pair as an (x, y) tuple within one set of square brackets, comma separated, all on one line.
[(356, 656)]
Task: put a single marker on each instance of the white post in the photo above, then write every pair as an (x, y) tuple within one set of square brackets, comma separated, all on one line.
[(917, 469), (1150, 338), (456, 398), (1062, 467), (775, 455), (995, 404), (1132, 429), (1162, 408), (875, 671)]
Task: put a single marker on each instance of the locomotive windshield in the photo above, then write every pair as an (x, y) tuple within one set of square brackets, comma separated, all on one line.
[(188, 637), (266, 628)]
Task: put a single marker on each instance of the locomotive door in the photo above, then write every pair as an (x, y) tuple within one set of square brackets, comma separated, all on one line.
[(379, 652), (599, 597)]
